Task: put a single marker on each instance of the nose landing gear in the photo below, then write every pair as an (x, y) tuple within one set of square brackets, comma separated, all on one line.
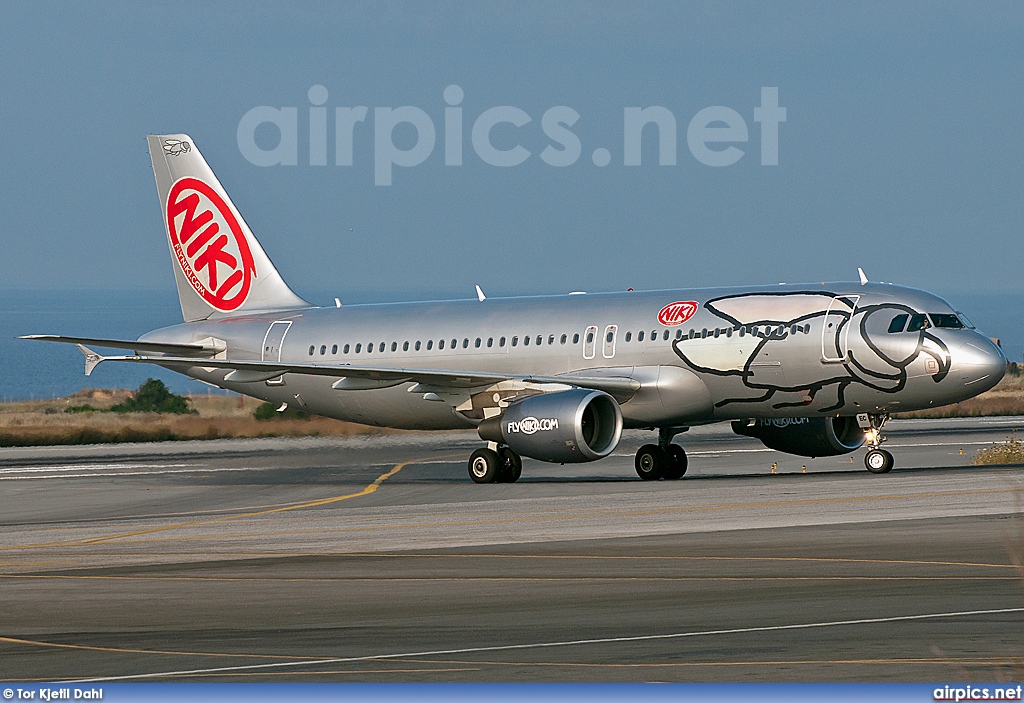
[(661, 460), (877, 461)]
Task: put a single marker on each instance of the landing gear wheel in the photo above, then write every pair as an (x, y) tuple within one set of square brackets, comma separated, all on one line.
[(651, 462), (484, 465), (511, 466), (878, 461), (676, 463)]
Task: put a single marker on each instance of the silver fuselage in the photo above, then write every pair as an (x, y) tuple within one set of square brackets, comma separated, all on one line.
[(779, 351)]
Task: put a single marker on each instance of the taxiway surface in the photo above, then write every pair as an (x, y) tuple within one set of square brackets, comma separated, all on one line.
[(376, 559)]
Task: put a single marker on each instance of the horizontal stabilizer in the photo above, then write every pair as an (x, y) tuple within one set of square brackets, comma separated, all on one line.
[(198, 350)]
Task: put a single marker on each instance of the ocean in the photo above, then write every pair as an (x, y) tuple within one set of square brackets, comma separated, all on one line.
[(46, 370)]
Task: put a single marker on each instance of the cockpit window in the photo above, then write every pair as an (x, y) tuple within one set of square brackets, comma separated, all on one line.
[(917, 323), (898, 323), (967, 323), (950, 322)]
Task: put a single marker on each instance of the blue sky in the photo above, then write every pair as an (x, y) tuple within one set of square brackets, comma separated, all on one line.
[(901, 152)]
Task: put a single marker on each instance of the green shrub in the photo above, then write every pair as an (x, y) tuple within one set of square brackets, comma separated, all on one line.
[(80, 409), (154, 397), (1009, 452)]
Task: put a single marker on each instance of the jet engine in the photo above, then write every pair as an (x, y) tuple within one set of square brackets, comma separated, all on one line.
[(804, 436), (565, 427)]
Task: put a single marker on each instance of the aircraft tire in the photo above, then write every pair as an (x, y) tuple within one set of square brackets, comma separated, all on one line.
[(878, 461), (676, 467), (484, 465), (651, 462), (511, 466)]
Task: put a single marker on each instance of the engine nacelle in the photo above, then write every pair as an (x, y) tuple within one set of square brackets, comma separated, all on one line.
[(564, 427), (805, 436)]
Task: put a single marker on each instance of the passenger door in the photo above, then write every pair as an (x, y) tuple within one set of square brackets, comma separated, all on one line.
[(273, 342), (609, 341), (835, 329), (590, 342)]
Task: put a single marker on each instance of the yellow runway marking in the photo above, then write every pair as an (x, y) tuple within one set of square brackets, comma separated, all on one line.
[(353, 672), (502, 579), (122, 650), (909, 661), (367, 490), (470, 555), (562, 515)]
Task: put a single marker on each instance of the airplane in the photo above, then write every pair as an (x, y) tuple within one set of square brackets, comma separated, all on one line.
[(812, 370)]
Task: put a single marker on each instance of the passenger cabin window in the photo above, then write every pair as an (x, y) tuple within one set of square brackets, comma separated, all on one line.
[(576, 338), (346, 349), (369, 348), (311, 350), (526, 341), (394, 346), (944, 321), (430, 344), (334, 349), (540, 339), (629, 336), (359, 348), (515, 341), (381, 348), (562, 340), (551, 340), (405, 346), (417, 345), (440, 345), (465, 343), (640, 336), (501, 342), (917, 323), (477, 343)]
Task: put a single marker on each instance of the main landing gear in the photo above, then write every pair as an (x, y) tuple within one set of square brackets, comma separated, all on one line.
[(877, 461), (501, 465), (661, 460)]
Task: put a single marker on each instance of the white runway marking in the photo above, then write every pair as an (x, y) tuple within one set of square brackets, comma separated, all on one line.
[(566, 643), (98, 472)]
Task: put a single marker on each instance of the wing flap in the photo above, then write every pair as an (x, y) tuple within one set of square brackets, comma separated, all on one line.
[(383, 376)]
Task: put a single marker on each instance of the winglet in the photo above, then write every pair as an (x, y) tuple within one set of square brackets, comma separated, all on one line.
[(480, 295), (863, 276), (92, 359)]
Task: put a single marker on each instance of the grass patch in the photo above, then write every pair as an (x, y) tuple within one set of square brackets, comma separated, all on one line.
[(268, 411)]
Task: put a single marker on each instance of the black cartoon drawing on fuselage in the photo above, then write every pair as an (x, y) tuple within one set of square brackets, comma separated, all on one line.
[(844, 344)]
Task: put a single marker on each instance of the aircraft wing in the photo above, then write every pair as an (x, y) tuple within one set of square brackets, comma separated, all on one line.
[(366, 377), (197, 350)]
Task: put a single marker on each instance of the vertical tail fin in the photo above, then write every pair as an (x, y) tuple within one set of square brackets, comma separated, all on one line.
[(219, 266)]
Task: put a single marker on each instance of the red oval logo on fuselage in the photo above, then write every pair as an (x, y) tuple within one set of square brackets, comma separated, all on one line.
[(209, 244), (677, 313)]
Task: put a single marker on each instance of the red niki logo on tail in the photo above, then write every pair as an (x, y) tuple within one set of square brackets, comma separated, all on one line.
[(677, 313), (209, 244)]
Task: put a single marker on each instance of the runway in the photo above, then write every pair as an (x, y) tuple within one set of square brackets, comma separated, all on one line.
[(376, 559)]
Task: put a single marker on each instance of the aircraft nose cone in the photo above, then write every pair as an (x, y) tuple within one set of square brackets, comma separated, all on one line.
[(981, 364)]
